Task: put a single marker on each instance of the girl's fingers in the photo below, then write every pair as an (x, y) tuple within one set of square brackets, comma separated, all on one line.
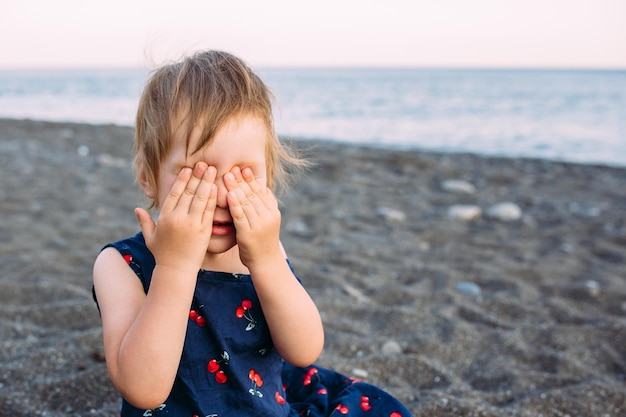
[(245, 185), (209, 211), (203, 193), (252, 182), (259, 188), (236, 211), (189, 193), (145, 222), (239, 205), (177, 190)]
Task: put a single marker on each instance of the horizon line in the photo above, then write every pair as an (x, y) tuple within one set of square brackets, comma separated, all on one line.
[(338, 66)]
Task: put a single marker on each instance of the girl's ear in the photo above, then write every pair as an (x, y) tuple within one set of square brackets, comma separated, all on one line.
[(144, 183)]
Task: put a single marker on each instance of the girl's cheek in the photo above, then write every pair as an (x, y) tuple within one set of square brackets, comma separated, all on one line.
[(169, 184), (165, 187)]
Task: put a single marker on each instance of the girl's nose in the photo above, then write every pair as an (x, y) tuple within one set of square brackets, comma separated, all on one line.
[(221, 193)]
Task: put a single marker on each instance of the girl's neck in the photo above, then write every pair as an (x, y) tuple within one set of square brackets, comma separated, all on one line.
[(228, 261)]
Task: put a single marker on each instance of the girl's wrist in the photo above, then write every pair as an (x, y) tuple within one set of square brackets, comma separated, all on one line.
[(176, 270), (268, 264)]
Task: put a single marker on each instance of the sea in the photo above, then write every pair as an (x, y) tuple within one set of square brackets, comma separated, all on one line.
[(555, 114)]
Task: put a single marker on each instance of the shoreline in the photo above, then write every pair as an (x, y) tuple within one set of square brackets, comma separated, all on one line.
[(302, 141), (475, 317)]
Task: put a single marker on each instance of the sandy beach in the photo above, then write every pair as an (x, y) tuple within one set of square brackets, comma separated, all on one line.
[(427, 286)]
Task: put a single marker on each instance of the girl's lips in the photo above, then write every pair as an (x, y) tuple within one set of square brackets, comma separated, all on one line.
[(223, 228)]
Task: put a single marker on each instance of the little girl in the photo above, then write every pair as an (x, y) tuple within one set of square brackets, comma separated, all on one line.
[(202, 314)]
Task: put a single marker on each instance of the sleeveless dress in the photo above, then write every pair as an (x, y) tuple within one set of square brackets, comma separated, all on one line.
[(229, 366)]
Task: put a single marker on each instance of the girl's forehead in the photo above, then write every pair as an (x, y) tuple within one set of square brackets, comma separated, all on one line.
[(240, 136)]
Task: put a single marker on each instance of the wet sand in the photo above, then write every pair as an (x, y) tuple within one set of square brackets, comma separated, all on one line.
[(474, 317)]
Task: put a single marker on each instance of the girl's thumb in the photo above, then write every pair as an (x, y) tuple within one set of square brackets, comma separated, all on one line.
[(145, 221)]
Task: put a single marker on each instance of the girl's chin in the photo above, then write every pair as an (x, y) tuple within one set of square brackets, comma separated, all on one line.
[(221, 244)]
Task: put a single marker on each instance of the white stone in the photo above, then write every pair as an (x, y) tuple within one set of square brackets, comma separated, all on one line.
[(297, 227), (356, 293), (468, 288), (389, 213), (360, 373), (593, 287), (391, 348), (458, 186), (108, 160), (506, 212), (83, 150), (464, 212)]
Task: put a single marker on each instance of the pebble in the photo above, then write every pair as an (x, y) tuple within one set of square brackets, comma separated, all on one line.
[(593, 287), (36, 206), (83, 150), (567, 248), (391, 348), (506, 212), (392, 214), (360, 373), (464, 212), (356, 293), (298, 227), (66, 133), (468, 288), (458, 186), (107, 160)]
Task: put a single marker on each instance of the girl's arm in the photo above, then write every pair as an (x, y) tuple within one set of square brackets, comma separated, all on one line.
[(293, 318), (144, 333)]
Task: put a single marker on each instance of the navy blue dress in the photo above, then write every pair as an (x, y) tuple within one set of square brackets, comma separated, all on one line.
[(229, 366)]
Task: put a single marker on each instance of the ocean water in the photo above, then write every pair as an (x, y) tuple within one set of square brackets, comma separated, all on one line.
[(566, 115)]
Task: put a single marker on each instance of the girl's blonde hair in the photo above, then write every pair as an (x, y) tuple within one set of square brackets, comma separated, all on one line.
[(204, 89)]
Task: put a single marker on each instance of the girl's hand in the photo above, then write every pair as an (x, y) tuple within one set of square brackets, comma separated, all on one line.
[(256, 217), (180, 237)]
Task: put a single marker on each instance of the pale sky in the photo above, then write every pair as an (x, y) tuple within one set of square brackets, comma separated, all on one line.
[(419, 33)]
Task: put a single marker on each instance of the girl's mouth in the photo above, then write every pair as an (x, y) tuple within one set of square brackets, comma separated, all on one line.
[(223, 228)]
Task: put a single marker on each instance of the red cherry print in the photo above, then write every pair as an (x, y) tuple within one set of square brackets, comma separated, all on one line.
[(342, 409), (193, 315), (213, 366), (256, 378), (257, 382), (365, 403), (128, 258), (395, 414), (308, 378), (242, 311), (322, 391), (279, 398), (220, 377), (200, 321)]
